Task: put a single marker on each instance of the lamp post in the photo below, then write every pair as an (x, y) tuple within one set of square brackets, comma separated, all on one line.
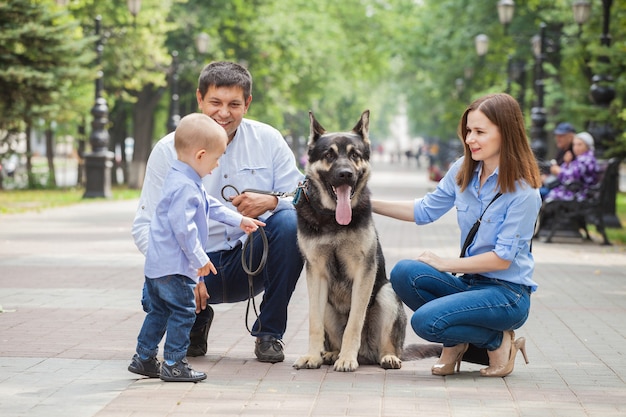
[(602, 94), (482, 44), (582, 10), (172, 122), (538, 112), (506, 8), (98, 163)]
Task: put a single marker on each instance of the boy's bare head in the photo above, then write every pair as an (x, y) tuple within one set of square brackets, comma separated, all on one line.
[(197, 131), (200, 142)]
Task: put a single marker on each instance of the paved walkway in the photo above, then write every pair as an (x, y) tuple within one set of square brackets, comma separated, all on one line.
[(70, 282)]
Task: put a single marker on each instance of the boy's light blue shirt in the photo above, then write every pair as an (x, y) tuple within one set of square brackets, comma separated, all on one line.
[(258, 158), (179, 229), (506, 228)]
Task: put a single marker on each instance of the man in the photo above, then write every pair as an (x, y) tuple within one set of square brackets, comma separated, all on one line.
[(564, 137), (257, 157)]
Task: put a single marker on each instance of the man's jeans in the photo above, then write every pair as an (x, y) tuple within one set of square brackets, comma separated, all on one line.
[(278, 279), (465, 309), (172, 310)]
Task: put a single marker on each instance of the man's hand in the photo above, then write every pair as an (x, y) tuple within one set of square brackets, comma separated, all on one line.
[(201, 295), (254, 204)]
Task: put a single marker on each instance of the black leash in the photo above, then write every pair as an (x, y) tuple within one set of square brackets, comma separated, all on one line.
[(249, 246)]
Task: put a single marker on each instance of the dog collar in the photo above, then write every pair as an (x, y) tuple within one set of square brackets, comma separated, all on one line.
[(300, 191)]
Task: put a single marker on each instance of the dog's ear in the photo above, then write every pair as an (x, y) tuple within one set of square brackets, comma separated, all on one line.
[(362, 128), (316, 129)]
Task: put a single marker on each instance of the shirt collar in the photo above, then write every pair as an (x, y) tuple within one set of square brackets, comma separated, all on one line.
[(186, 170)]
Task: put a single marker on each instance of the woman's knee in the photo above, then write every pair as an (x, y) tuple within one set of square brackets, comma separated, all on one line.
[(400, 272), (423, 325)]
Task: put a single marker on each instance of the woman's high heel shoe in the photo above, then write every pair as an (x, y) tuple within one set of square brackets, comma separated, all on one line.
[(445, 366), (503, 369)]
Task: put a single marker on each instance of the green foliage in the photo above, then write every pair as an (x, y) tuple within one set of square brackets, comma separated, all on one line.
[(42, 61), (336, 58)]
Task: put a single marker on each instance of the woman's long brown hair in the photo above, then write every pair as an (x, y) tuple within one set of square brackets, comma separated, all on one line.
[(517, 161)]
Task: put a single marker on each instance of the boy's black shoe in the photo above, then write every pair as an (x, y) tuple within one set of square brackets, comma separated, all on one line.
[(150, 368), (269, 349), (180, 372), (198, 339)]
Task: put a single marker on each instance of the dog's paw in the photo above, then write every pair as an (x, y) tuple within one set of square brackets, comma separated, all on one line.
[(346, 364), (308, 362), (330, 357), (390, 362)]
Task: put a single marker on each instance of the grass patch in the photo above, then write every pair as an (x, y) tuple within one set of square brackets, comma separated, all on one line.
[(618, 236), (19, 201)]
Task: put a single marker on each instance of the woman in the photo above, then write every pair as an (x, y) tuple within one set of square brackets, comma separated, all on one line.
[(578, 167), (491, 297)]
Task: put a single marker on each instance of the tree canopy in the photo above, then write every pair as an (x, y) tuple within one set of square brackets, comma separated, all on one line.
[(335, 58)]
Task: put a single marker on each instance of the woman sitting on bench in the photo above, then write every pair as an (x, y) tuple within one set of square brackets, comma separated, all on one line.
[(581, 170)]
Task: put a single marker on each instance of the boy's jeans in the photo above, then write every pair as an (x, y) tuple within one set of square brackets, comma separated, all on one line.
[(172, 310)]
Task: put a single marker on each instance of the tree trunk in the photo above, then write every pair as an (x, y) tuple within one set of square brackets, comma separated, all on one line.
[(118, 133), (143, 130), (29, 153), (51, 181)]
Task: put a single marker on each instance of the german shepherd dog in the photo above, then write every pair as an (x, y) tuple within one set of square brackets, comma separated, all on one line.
[(355, 317)]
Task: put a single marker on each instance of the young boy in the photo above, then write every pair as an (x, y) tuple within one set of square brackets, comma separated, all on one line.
[(176, 256)]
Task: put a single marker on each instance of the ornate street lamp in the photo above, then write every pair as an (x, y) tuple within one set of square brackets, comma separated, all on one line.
[(133, 7), (202, 43), (538, 112), (99, 162), (506, 8), (582, 11), (202, 46), (602, 94), (172, 122), (482, 44)]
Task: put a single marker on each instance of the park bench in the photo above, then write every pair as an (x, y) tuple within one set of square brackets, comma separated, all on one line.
[(572, 215)]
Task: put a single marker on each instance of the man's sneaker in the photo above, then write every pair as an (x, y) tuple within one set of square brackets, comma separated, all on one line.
[(198, 339), (269, 349), (180, 372), (150, 368)]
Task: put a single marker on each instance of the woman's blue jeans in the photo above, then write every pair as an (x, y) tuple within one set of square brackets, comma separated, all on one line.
[(172, 309), (466, 309)]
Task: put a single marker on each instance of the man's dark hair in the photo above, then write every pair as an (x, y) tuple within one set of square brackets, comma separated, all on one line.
[(225, 74)]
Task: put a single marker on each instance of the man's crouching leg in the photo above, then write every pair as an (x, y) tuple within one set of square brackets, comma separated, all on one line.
[(282, 270), (200, 333)]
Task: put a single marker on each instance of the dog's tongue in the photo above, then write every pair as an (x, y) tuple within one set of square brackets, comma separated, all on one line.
[(343, 214)]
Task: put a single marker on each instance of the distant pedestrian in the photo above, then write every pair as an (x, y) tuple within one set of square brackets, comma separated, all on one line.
[(494, 186), (176, 257)]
